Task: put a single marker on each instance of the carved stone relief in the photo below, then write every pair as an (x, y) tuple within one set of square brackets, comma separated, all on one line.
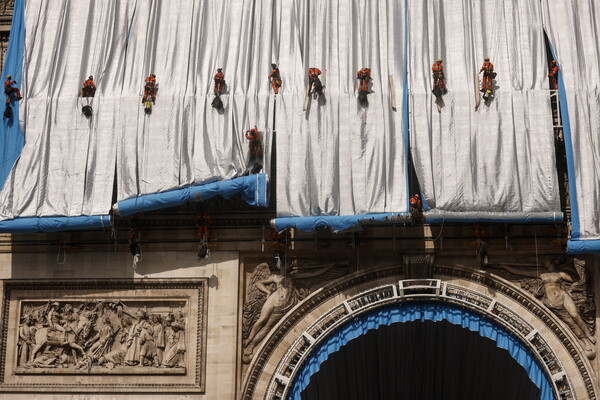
[(272, 292), (105, 331), (564, 285), (100, 335)]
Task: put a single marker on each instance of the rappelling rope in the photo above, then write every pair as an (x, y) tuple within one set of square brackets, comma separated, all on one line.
[(61, 247), (537, 264), (100, 25)]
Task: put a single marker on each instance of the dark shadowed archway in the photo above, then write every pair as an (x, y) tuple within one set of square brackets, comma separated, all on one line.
[(421, 360)]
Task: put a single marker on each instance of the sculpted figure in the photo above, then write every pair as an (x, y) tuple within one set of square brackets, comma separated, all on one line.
[(26, 340), (555, 296), (175, 337), (272, 293), (159, 338), (101, 342), (140, 343)]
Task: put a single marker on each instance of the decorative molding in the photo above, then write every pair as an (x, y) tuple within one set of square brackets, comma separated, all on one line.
[(501, 313), (419, 266), (412, 290), (119, 297)]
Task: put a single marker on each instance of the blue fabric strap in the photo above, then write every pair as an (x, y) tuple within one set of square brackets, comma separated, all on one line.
[(54, 224), (253, 189), (335, 222)]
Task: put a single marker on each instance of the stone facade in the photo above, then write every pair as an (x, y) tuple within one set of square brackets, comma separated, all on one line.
[(173, 270)]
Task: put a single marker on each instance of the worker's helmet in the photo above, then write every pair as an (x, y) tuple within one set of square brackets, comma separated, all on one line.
[(153, 75), (417, 196), (91, 78), (8, 77), (486, 59), (553, 61), (439, 60), (273, 65)]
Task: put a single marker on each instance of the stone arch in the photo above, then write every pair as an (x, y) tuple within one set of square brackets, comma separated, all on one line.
[(283, 351)]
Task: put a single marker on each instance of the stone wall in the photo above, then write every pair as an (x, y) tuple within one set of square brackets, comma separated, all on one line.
[(222, 271)]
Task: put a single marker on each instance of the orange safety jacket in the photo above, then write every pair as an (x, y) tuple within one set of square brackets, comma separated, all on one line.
[(150, 82), (437, 68), (219, 76), (275, 74), (364, 73), (415, 203), (554, 71), (252, 134), (487, 68), (89, 84)]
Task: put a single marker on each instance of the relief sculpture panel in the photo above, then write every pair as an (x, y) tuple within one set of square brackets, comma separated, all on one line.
[(140, 336), (274, 289), (83, 336), (563, 285)]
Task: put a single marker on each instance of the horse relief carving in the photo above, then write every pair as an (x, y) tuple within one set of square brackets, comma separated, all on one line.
[(100, 335)]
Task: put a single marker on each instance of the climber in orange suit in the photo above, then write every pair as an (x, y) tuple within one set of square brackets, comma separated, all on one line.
[(314, 81), (9, 90), (89, 87), (275, 78), (554, 75), (438, 76), (150, 88), (487, 83), (219, 82), (364, 77)]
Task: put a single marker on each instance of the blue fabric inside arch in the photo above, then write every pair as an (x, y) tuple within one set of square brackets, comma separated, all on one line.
[(421, 311)]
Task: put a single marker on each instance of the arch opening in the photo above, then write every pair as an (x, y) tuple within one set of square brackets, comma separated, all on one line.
[(454, 370)]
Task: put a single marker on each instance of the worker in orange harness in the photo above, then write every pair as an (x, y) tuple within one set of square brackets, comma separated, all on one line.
[(314, 81), (415, 207), (364, 77), (439, 83), (275, 78), (256, 151), (487, 83), (219, 82), (89, 87), (150, 87), (554, 75), (219, 79), (10, 91), (203, 220)]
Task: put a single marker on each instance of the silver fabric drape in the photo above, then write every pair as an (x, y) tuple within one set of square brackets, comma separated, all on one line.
[(573, 28), (338, 158), (69, 164), (501, 157)]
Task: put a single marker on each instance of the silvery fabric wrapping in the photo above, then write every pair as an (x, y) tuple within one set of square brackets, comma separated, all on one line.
[(501, 157), (69, 163), (338, 158), (573, 28)]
